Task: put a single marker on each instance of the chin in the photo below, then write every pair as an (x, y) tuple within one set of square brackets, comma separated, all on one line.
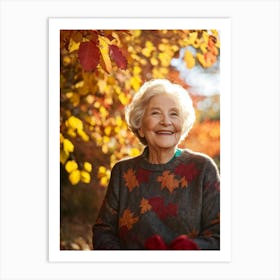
[(167, 146)]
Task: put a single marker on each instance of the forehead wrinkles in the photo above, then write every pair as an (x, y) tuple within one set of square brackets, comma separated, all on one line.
[(163, 99), (159, 102)]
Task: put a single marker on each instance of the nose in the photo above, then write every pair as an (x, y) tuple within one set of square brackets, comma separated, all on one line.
[(165, 120)]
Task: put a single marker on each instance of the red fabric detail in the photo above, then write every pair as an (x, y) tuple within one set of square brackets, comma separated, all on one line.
[(155, 242), (123, 232), (161, 210), (182, 242), (142, 175), (189, 171)]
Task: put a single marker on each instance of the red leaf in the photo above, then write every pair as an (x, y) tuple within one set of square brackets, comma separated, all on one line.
[(89, 55), (118, 57), (189, 171), (161, 210)]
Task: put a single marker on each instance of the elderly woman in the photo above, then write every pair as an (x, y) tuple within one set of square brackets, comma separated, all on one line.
[(167, 198)]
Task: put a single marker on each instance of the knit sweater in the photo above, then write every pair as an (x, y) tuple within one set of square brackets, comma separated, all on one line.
[(145, 199)]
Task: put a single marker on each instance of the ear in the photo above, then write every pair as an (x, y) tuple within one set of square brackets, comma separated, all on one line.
[(140, 132)]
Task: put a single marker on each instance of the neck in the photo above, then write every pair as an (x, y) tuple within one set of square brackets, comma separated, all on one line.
[(161, 156)]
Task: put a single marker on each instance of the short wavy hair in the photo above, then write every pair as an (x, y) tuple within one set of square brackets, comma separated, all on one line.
[(134, 112)]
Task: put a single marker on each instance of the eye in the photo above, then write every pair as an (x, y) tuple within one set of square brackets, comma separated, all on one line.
[(155, 112), (174, 113)]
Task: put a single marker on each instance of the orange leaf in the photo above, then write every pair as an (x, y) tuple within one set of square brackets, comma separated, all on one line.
[(145, 206), (127, 219), (130, 178), (167, 181)]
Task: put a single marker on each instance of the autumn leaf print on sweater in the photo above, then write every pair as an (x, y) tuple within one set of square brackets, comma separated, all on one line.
[(130, 179), (168, 181), (127, 220), (163, 211), (188, 171), (145, 205)]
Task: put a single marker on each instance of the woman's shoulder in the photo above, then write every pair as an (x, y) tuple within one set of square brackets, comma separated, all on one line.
[(128, 161), (190, 155)]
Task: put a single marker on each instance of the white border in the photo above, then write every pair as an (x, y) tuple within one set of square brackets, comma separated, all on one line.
[(255, 126), (224, 27)]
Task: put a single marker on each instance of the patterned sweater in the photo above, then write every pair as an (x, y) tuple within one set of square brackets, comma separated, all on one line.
[(144, 199)]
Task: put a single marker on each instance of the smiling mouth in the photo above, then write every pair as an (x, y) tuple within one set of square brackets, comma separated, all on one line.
[(164, 132)]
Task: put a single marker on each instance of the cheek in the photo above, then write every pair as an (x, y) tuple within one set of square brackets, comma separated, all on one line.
[(178, 125), (148, 124)]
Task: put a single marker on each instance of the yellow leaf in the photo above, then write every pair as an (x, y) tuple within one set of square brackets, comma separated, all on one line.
[(66, 60), (80, 84), (103, 175), (103, 112), (85, 177), (205, 36), (71, 165), (75, 99), (136, 33), (63, 156), (75, 177), (136, 70), (189, 59), (146, 52), (134, 152), (73, 46), (191, 38), (149, 45), (104, 50), (135, 82), (68, 146), (101, 171), (102, 85), (162, 47), (69, 94), (74, 122), (105, 149), (106, 139), (119, 121), (83, 135), (203, 47), (174, 48), (71, 132), (90, 99), (154, 61), (104, 181), (123, 99), (107, 130), (164, 59), (61, 138), (87, 166)]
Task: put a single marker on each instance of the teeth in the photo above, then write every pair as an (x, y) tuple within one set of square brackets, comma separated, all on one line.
[(165, 132)]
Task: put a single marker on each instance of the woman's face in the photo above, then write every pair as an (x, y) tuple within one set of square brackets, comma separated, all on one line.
[(162, 122)]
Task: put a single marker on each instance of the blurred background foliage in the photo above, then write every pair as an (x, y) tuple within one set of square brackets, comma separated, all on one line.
[(100, 70)]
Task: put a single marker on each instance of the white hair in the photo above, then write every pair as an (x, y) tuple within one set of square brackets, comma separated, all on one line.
[(135, 110)]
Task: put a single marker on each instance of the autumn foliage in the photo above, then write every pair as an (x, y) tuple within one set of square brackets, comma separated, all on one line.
[(100, 70)]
